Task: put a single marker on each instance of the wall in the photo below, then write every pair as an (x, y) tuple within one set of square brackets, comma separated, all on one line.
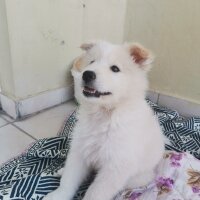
[(40, 38), (6, 74), (45, 36), (172, 30)]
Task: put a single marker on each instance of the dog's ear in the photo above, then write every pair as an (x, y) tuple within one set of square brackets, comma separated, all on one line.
[(141, 56), (87, 46), (78, 63)]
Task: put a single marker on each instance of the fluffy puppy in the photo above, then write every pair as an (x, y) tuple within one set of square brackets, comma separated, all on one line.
[(117, 133)]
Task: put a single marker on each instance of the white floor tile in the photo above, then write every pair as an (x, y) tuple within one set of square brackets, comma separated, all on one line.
[(2, 122), (47, 123), (12, 142)]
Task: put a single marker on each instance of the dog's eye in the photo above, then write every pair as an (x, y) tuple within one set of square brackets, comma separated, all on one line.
[(92, 61), (114, 68)]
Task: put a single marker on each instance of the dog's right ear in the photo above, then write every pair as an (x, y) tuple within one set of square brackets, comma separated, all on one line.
[(87, 46)]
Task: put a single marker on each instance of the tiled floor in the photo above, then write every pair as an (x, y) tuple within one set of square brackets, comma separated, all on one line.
[(15, 136)]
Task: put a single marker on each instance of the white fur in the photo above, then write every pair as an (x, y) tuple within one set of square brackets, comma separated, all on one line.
[(117, 135)]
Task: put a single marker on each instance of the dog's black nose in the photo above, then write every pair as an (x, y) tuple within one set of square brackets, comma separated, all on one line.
[(89, 76)]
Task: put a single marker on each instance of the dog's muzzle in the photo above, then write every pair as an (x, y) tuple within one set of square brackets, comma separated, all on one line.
[(88, 91), (91, 92), (88, 76)]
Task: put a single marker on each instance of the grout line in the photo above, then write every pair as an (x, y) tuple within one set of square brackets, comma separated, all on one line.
[(6, 124), (3, 113), (24, 131), (32, 115), (12, 123)]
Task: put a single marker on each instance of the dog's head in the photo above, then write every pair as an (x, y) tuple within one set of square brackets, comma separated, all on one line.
[(107, 74)]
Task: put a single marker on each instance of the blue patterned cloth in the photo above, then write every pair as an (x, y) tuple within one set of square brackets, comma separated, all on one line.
[(33, 174)]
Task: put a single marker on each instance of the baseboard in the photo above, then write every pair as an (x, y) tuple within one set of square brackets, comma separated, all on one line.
[(184, 107), (28, 106), (25, 107)]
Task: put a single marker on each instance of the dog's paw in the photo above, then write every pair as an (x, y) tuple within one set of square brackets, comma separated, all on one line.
[(55, 195)]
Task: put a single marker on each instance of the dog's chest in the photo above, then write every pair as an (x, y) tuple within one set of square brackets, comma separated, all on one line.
[(96, 142)]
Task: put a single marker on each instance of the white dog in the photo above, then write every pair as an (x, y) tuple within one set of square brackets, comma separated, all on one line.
[(117, 133)]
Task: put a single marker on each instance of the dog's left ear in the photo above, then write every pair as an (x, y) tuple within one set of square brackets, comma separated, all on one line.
[(141, 56), (77, 63), (87, 46)]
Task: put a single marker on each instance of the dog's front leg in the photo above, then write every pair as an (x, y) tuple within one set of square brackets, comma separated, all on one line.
[(75, 171), (106, 185)]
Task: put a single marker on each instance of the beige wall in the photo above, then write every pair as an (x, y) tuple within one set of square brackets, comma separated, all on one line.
[(40, 38), (171, 28), (45, 36), (6, 74)]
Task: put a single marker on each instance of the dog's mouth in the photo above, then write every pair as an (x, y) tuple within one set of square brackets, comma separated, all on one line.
[(91, 92)]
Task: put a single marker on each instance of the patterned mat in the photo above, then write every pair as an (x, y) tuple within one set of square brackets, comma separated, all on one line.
[(33, 174)]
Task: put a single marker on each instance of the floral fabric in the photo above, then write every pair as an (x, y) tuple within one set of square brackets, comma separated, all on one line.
[(177, 178)]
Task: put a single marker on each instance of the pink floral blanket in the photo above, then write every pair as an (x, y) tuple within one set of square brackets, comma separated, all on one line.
[(178, 178)]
